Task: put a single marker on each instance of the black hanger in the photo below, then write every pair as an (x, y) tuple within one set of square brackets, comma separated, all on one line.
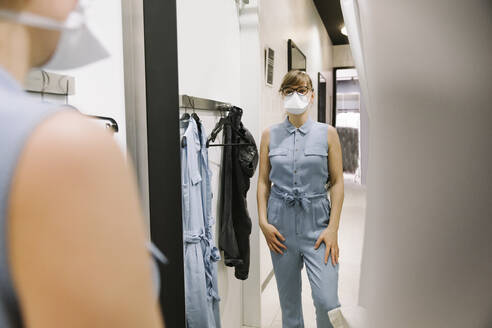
[(46, 78), (218, 127), (195, 116), (110, 122), (185, 116), (197, 120)]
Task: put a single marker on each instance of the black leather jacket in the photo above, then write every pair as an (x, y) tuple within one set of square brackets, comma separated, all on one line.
[(238, 166)]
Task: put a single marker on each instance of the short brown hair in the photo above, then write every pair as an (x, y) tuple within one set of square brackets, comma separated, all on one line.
[(296, 77)]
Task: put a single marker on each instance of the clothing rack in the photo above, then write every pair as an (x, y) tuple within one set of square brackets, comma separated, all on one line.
[(196, 103)]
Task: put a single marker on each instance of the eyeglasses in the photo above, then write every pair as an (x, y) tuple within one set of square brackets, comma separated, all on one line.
[(302, 91)]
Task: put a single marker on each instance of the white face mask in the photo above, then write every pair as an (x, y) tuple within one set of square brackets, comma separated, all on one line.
[(77, 46), (296, 104)]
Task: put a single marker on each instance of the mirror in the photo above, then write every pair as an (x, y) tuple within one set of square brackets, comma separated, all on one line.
[(296, 58), (322, 99)]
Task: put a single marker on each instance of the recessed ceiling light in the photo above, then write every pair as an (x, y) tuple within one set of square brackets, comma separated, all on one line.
[(343, 30)]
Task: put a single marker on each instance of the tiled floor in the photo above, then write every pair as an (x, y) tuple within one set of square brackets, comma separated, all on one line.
[(350, 243)]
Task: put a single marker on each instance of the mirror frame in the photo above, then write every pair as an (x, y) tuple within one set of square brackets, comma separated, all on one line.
[(290, 46)]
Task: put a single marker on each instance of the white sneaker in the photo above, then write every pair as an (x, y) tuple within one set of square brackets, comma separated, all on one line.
[(336, 318), (348, 317)]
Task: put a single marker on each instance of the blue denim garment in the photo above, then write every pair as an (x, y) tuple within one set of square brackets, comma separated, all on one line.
[(299, 208), (200, 253)]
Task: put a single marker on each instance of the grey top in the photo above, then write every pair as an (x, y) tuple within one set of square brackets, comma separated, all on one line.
[(19, 116)]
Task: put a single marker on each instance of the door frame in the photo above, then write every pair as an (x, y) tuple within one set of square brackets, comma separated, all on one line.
[(334, 100), (163, 146), (321, 119)]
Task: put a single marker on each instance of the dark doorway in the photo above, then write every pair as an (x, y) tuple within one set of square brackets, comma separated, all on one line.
[(321, 98)]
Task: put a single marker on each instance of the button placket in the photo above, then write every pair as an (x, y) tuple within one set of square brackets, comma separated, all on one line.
[(295, 156), (297, 146)]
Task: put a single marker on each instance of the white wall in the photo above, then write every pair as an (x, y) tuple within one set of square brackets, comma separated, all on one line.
[(99, 87), (342, 56), (279, 21), (251, 86), (209, 67), (135, 97), (427, 254)]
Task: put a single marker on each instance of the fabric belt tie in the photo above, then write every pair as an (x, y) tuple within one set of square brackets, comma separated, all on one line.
[(193, 238), (293, 198), (210, 254)]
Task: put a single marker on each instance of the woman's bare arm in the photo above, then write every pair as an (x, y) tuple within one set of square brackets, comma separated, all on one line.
[(76, 233), (272, 235), (263, 179), (335, 167), (330, 235)]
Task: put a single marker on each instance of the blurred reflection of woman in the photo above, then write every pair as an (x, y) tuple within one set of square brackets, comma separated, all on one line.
[(298, 158), (72, 238)]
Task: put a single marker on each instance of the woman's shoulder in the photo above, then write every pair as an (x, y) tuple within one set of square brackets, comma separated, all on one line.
[(67, 129), (69, 144), (322, 125), (272, 128), (271, 131), (325, 127), (326, 131)]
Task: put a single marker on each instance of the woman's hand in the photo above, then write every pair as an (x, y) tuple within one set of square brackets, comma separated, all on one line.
[(272, 236), (330, 238)]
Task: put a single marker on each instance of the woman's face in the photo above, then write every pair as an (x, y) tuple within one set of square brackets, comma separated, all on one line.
[(44, 42), (301, 89)]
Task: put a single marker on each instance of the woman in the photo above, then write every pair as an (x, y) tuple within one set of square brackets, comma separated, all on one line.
[(298, 157), (72, 241)]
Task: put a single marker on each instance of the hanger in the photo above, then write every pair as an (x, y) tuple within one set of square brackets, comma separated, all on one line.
[(110, 122), (197, 119), (219, 126), (185, 116), (46, 78)]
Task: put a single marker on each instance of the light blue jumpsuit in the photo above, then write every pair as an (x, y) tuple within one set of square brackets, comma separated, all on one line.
[(299, 208), (200, 253)]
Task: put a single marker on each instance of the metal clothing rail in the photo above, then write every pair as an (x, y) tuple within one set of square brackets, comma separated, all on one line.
[(190, 102), (196, 103)]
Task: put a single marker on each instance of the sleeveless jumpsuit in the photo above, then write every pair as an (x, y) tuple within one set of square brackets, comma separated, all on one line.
[(299, 208)]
